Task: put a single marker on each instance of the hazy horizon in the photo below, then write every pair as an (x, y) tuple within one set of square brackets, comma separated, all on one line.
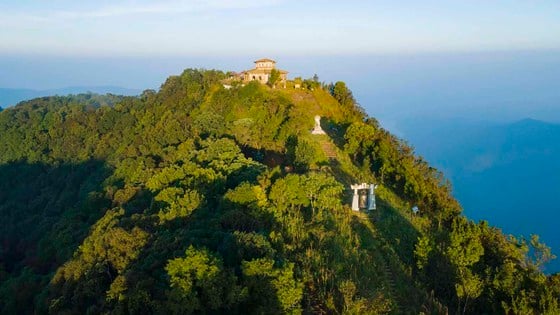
[(499, 86), (172, 27), (137, 43)]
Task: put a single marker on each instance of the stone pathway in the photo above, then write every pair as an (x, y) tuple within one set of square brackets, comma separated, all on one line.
[(390, 280), (329, 148)]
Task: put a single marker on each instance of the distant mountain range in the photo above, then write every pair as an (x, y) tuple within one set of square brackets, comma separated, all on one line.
[(10, 97), (506, 173)]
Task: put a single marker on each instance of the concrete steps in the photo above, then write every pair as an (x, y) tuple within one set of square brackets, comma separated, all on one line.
[(390, 281), (329, 149)]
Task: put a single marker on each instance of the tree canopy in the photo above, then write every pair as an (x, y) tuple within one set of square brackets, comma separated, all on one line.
[(200, 199)]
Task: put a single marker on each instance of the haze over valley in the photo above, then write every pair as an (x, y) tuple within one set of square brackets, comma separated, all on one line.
[(279, 157)]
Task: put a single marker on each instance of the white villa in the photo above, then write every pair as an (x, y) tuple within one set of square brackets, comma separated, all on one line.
[(262, 71)]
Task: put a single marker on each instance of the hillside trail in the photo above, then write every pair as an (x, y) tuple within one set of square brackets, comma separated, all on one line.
[(387, 262), (340, 163), (328, 147), (345, 171)]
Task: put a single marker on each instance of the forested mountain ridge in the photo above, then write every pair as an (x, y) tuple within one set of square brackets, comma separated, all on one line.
[(9, 96), (201, 199)]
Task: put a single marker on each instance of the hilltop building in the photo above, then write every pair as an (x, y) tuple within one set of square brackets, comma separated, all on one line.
[(261, 72)]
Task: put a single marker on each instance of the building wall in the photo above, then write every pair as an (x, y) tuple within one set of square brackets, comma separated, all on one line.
[(261, 77), (261, 73), (265, 65)]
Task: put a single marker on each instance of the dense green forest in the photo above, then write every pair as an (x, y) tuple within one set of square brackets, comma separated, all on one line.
[(201, 199)]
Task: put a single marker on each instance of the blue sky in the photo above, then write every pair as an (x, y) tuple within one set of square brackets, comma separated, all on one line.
[(265, 27)]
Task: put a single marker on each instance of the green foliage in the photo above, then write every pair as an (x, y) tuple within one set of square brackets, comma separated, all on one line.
[(311, 83), (463, 251), (183, 200), (305, 154), (464, 247), (273, 78), (342, 94), (181, 203), (395, 165), (540, 253), (422, 251), (200, 283), (277, 289)]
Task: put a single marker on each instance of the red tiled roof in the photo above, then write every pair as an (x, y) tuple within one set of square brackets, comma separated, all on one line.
[(265, 60)]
